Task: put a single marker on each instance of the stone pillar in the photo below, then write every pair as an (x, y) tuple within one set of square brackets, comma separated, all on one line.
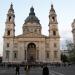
[(25, 54)]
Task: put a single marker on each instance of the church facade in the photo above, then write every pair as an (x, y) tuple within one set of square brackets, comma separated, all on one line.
[(31, 45)]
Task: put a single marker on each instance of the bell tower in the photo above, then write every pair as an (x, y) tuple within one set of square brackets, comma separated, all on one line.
[(9, 35), (53, 24), (10, 23), (54, 36)]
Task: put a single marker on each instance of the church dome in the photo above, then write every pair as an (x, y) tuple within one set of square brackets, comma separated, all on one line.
[(32, 18)]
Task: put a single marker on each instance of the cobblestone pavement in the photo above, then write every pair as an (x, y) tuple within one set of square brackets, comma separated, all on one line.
[(38, 71)]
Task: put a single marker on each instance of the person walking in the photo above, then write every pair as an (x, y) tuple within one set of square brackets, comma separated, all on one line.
[(27, 69), (45, 70), (17, 69)]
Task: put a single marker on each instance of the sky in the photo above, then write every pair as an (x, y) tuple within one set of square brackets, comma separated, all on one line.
[(65, 10)]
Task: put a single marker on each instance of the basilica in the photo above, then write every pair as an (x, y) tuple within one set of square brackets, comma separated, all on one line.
[(31, 45)]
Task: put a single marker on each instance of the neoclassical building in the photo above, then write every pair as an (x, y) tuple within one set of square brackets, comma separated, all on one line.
[(73, 31), (31, 45)]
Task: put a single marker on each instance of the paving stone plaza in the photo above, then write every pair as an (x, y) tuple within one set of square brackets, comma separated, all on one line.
[(53, 70)]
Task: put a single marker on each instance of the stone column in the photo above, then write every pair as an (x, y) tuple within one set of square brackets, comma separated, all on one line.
[(25, 54), (37, 54)]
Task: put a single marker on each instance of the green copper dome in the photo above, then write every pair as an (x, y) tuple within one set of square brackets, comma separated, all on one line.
[(32, 18)]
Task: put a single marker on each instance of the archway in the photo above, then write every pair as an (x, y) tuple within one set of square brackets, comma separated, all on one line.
[(31, 52)]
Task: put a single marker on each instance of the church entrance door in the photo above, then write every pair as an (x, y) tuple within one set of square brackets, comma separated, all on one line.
[(31, 52)]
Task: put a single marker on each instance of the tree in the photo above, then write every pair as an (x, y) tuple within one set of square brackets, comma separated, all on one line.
[(64, 58), (72, 55), (71, 51)]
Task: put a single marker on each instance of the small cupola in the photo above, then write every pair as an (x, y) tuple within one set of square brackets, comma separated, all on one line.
[(32, 11), (11, 9), (52, 9)]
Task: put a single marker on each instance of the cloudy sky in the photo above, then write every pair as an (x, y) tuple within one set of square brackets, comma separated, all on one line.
[(65, 10)]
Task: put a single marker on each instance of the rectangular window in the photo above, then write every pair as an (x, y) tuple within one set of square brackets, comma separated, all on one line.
[(55, 45), (7, 54), (37, 54), (47, 45), (7, 44), (55, 54), (15, 45), (47, 54), (54, 33), (15, 54)]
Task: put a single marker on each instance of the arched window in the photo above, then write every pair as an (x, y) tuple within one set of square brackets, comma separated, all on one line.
[(31, 45), (9, 18), (53, 18), (8, 32)]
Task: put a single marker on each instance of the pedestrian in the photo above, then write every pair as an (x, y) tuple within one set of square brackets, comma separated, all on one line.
[(27, 68), (17, 69), (45, 70)]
